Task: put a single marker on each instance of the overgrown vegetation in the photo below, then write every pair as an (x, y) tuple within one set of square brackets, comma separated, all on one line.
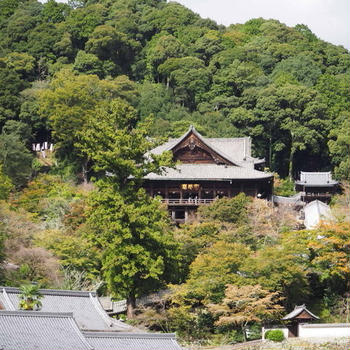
[(97, 78)]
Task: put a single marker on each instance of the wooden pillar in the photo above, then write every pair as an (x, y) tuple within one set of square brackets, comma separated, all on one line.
[(186, 215)]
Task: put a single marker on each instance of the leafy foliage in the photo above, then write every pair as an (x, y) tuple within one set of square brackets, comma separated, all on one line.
[(30, 297), (87, 75), (274, 335)]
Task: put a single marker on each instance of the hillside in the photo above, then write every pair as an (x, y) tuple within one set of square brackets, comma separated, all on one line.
[(105, 81)]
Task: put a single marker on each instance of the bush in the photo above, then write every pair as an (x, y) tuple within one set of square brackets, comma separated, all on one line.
[(274, 335), (283, 187)]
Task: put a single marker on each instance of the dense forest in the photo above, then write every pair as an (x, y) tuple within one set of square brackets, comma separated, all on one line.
[(107, 80)]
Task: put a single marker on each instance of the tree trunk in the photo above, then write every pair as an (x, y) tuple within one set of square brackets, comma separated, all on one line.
[(84, 170), (167, 82), (244, 335), (130, 306), (270, 153), (291, 156), (290, 172)]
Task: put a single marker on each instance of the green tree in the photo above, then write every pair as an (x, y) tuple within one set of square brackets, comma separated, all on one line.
[(233, 210), (70, 101), (162, 47), (128, 227), (188, 77), (15, 159), (212, 269), (5, 189), (83, 20), (280, 269), (29, 298), (11, 85), (339, 147), (110, 45), (55, 12), (21, 63), (88, 63)]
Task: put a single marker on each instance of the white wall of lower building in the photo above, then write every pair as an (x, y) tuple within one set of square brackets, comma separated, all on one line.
[(324, 330)]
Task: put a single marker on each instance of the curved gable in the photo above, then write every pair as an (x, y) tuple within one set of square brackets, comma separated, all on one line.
[(193, 148)]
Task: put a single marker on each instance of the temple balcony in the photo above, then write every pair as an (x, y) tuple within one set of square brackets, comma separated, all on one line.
[(187, 202)]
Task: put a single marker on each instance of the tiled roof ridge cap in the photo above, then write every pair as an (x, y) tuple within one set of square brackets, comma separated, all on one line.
[(227, 138), (315, 172), (32, 313), (91, 334), (62, 292), (108, 320)]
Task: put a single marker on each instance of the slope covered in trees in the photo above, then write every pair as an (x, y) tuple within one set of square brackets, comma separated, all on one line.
[(283, 86), (97, 78)]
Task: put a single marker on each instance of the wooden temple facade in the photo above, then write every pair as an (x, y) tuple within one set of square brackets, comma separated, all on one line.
[(207, 169)]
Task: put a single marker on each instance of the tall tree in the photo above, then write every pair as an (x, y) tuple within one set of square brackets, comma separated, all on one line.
[(130, 229), (71, 100)]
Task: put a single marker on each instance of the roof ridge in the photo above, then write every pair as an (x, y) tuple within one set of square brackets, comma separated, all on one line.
[(108, 320), (129, 335), (32, 313), (62, 292)]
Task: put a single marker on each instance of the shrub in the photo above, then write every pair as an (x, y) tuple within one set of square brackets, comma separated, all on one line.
[(283, 187), (274, 335)]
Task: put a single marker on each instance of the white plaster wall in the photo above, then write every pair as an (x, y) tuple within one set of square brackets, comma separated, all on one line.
[(281, 328), (332, 330)]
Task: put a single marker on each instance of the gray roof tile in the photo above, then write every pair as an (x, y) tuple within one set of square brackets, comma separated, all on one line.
[(32, 330), (85, 307), (297, 311), (132, 341), (208, 172), (320, 179)]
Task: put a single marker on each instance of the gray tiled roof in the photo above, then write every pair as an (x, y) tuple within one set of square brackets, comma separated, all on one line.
[(32, 330), (132, 341), (237, 149), (317, 179), (297, 311), (85, 307), (208, 172)]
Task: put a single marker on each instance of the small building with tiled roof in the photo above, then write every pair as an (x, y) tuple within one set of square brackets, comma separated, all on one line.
[(207, 169), (85, 306), (32, 330), (299, 315), (316, 185)]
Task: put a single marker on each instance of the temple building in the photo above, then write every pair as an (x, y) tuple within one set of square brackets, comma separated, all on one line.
[(207, 169), (316, 185), (300, 314)]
